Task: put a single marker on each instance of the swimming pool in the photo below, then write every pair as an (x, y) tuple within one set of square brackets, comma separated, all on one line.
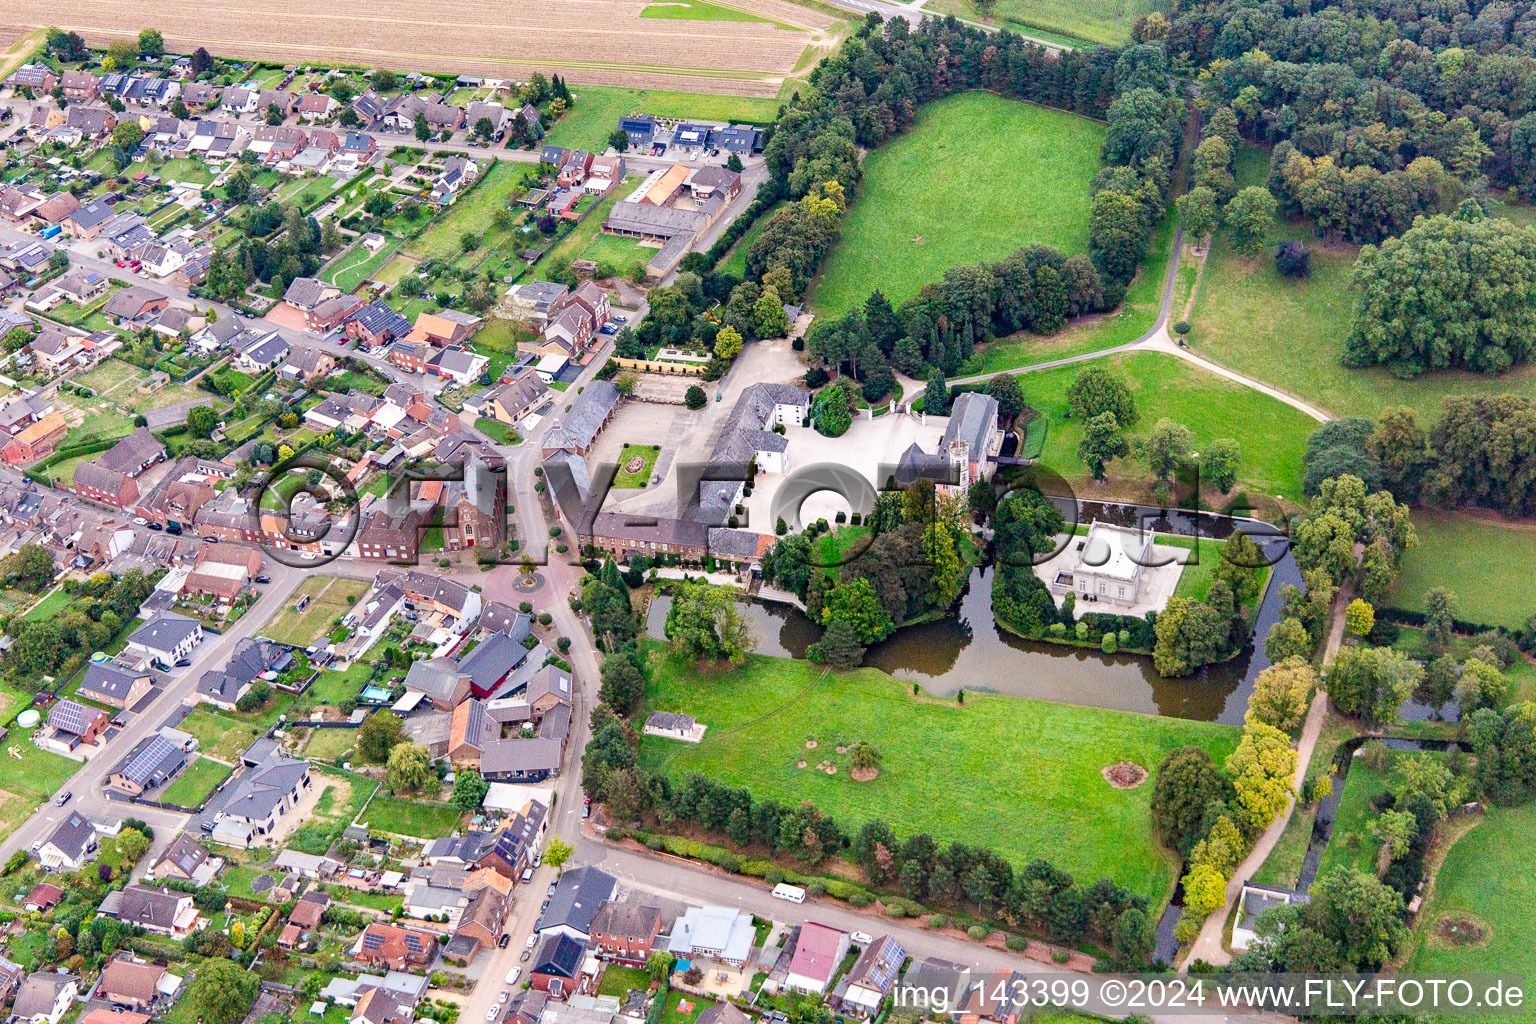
[(375, 694)]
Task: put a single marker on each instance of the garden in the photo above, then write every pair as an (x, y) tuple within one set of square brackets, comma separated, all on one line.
[(330, 597)]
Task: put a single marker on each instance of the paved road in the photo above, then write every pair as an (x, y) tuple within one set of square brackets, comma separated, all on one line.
[(89, 797)]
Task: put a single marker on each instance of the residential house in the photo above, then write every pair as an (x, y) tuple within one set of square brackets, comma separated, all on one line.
[(395, 948), (568, 333), (721, 934), (538, 300), (86, 223), (316, 106), (115, 683), (133, 454), (604, 175), (480, 924), (167, 638), (92, 122), (162, 911), (152, 763), (305, 293), (509, 402), (445, 327), (43, 898), (70, 846), (331, 313), (223, 571), (44, 998), (625, 933), (186, 860), (134, 983), (97, 483), (200, 95), (261, 795), (37, 77), (71, 724), (307, 363), (495, 113), (872, 977), (56, 207), (458, 174), (556, 966), (578, 895), (252, 658), (457, 364), (359, 147), (441, 680), (134, 304), (79, 86), (401, 114), (256, 351), (574, 169), (376, 324), (279, 143)]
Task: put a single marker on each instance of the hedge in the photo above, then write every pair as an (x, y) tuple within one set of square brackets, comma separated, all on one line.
[(679, 846)]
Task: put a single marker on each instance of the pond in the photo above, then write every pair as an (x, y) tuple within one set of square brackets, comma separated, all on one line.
[(968, 651)]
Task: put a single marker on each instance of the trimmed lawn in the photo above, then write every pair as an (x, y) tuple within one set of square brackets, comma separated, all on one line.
[(196, 781), (28, 776), (585, 234), (358, 265), (1108, 21), (330, 743), (620, 254), (1481, 879), (934, 197), (330, 598), (642, 476), (597, 109), (497, 431), (1020, 776), (48, 607), (217, 735), (617, 981), (1289, 333), (1483, 561), (1272, 435), (411, 817)]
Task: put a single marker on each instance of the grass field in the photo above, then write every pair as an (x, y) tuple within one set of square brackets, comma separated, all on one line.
[(471, 214), (411, 817), (218, 735), (1481, 880), (976, 178), (640, 477), (1021, 776), (735, 261), (51, 605), (701, 10), (358, 266), (330, 598), (1107, 21), (195, 782), (28, 778), (1482, 561), (1289, 333), (1272, 434), (330, 743), (1135, 316), (598, 108), (620, 254)]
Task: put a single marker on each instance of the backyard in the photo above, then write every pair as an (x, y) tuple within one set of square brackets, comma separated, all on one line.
[(330, 598), (939, 196), (411, 817), (217, 735), (196, 781), (1020, 776), (471, 214)]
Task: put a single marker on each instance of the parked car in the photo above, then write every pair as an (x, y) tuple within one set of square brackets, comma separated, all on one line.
[(862, 938), (513, 975), (492, 1013), (263, 578), (532, 941), (156, 527), (502, 942), (526, 954), (607, 329)]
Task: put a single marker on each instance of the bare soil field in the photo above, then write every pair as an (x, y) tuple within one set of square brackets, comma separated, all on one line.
[(604, 42)]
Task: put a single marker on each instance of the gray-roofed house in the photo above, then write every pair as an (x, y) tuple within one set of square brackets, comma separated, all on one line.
[(442, 680), (223, 687), (185, 859), (674, 725), (307, 292), (133, 304), (578, 895), (114, 683), (579, 427), (166, 638), (71, 845), (45, 997), (152, 763), (490, 662), (260, 796), (861, 991), (159, 910)]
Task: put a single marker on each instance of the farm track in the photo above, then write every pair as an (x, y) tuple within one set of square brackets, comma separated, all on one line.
[(606, 43)]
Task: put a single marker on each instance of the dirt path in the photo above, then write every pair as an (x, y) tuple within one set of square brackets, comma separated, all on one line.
[(1208, 945)]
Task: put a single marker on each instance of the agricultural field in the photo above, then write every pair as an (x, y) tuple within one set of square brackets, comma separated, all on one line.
[(1107, 22), (611, 44), (330, 598), (941, 769), (1289, 333), (1272, 435), (701, 10), (1484, 561), (597, 110), (934, 197)]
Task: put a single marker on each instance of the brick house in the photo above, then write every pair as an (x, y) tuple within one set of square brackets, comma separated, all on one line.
[(625, 932)]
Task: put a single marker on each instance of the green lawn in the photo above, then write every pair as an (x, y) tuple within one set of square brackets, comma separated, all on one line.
[(621, 255), (642, 476), (196, 781), (596, 112), (1351, 845), (1272, 435), (28, 776), (411, 817), (976, 178), (1482, 880), (735, 261), (497, 431), (617, 981), (471, 214), (1289, 333), (1021, 776), (330, 598), (586, 234), (330, 744), (701, 10), (1482, 561), (358, 266), (1135, 316), (49, 606), (1106, 21), (218, 735)]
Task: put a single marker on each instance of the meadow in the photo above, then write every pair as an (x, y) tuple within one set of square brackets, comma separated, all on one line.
[(975, 178), (1288, 333), (1021, 776), (1272, 435), (1482, 561), (596, 112), (1108, 21)]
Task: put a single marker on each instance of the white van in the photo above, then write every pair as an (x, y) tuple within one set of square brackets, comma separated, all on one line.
[(513, 975), (792, 893)]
